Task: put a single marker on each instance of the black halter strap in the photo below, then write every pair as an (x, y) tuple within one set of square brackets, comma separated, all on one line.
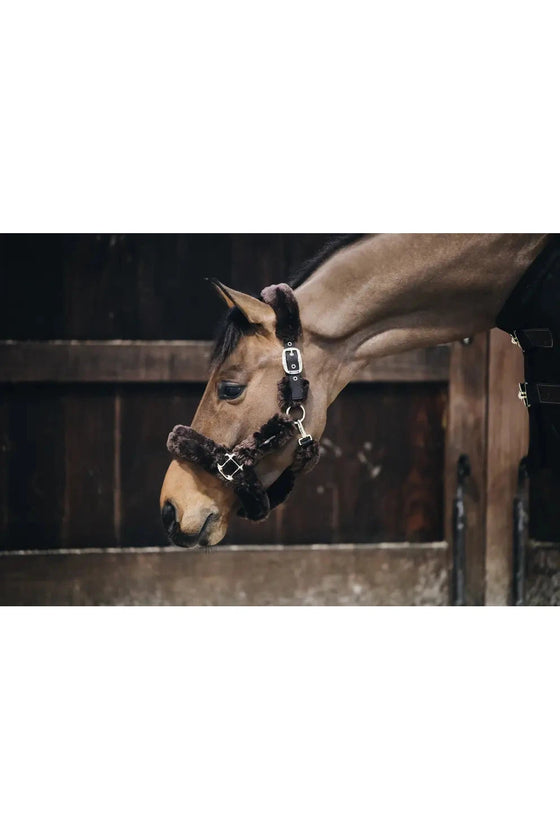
[(237, 466)]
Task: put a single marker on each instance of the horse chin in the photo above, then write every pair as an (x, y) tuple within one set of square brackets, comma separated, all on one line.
[(214, 534)]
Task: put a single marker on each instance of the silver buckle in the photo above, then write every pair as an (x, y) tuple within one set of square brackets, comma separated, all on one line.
[(522, 394), (514, 339), (291, 360), (229, 460)]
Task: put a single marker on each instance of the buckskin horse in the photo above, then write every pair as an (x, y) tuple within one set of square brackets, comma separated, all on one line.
[(280, 360)]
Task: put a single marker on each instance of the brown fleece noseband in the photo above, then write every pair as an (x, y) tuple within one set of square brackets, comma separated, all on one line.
[(237, 466)]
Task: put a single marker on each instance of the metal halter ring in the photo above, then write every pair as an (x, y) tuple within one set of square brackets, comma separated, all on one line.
[(304, 439), (302, 418)]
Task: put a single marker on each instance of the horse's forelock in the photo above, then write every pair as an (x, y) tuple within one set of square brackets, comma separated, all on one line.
[(233, 327)]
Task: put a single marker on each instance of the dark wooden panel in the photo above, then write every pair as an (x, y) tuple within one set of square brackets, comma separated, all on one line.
[(423, 487), (135, 286), (257, 260), (60, 466), (32, 286), (346, 575), (111, 285), (5, 445), (144, 286), (98, 273), (34, 442), (89, 450), (380, 476), (97, 461), (181, 361)]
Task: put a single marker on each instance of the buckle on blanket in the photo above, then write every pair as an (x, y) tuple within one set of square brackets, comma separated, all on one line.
[(229, 476), (522, 394)]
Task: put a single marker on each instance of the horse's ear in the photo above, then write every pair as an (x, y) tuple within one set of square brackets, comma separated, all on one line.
[(253, 309)]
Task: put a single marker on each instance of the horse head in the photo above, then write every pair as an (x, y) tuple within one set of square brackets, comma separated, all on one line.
[(243, 422)]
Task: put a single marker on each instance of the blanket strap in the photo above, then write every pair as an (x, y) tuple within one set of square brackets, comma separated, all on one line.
[(532, 339), (539, 392)]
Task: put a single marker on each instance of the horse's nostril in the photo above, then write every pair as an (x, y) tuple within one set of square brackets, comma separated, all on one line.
[(168, 515)]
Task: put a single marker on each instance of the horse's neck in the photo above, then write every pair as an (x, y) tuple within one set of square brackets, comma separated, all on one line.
[(396, 292)]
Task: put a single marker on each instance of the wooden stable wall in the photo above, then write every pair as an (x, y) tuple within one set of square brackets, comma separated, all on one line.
[(488, 422), (104, 344)]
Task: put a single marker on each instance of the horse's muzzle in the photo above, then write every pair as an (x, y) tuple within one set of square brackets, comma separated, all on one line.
[(180, 538)]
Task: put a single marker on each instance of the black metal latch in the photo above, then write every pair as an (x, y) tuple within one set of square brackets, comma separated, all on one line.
[(459, 526)]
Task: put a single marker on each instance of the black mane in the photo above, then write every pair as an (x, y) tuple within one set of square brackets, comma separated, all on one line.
[(235, 325), (327, 251)]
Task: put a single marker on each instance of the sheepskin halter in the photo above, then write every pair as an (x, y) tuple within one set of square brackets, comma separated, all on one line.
[(237, 466)]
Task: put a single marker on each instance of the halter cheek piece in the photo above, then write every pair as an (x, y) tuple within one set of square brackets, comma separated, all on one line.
[(237, 466)]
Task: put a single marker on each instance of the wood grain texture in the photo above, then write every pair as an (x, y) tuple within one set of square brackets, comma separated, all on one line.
[(89, 475), (5, 445), (143, 286), (380, 475), (32, 286), (33, 443), (259, 575), (508, 429), (466, 434), (173, 361), (85, 465)]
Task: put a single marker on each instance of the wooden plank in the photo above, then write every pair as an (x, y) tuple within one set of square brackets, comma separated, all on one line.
[(32, 283), (104, 361), (508, 429), (466, 434), (143, 286), (423, 487), (257, 260), (33, 441), (174, 361), (5, 447), (393, 574), (379, 478), (429, 364), (89, 458)]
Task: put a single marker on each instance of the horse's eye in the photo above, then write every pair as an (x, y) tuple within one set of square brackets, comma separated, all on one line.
[(230, 390)]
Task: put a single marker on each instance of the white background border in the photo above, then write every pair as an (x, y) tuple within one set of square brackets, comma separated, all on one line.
[(269, 723)]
